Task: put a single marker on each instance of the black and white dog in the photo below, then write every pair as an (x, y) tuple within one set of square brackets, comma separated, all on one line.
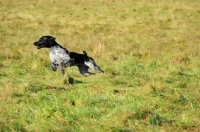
[(62, 57)]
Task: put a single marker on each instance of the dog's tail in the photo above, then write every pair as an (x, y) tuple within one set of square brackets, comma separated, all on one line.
[(84, 52), (85, 56)]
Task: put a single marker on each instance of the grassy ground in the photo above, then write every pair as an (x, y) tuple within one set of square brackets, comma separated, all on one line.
[(149, 49)]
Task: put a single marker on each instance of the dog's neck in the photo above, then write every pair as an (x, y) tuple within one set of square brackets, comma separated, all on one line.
[(57, 46), (54, 45)]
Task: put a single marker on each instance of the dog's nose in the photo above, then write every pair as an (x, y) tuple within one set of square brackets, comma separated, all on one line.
[(35, 43)]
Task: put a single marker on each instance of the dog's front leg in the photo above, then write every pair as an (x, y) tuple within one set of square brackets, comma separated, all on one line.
[(53, 66), (61, 65), (61, 69)]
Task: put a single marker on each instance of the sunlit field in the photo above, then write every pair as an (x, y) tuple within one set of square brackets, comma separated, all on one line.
[(149, 50)]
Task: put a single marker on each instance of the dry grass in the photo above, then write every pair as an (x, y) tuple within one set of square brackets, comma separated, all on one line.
[(149, 50)]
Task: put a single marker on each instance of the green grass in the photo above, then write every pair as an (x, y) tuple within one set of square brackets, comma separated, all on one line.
[(149, 49)]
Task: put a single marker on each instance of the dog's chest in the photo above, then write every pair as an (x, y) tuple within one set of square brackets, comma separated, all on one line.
[(58, 55)]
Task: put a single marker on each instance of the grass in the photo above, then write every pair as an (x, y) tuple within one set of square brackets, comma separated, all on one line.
[(149, 50)]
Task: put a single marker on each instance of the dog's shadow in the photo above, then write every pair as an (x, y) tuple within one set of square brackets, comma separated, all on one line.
[(72, 81)]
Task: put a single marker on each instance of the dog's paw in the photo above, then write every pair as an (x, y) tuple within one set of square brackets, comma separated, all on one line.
[(53, 66), (62, 71)]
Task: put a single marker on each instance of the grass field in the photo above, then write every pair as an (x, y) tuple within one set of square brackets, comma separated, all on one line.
[(149, 50)]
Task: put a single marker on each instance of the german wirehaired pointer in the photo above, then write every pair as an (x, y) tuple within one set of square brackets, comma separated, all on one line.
[(61, 57)]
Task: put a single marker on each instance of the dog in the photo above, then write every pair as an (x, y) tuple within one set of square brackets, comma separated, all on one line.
[(61, 57)]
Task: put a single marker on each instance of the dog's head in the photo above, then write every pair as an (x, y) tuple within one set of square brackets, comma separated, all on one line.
[(45, 42)]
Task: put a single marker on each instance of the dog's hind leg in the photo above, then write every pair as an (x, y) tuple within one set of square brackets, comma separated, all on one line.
[(92, 64), (84, 70), (53, 66)]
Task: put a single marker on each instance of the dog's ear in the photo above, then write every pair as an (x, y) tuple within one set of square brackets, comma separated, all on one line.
[(53, 38)]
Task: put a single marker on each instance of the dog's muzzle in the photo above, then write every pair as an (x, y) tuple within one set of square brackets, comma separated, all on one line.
[(36, 44)]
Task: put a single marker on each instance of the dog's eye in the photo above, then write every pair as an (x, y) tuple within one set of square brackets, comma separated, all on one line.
[(43, 39), (52, 38)]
